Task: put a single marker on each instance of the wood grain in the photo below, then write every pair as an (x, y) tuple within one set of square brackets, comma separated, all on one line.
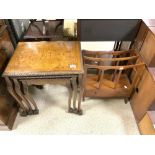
[(3, 58), (109, 80), (139, 40), (148, 49), (5, 43), (143, 98), (106, 87), (145, 126), (8, 113), (43, 58)]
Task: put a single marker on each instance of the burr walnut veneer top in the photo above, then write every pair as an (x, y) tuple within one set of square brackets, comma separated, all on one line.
[(45, 58)]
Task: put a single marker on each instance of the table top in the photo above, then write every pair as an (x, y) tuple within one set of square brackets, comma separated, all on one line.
[(45, 58)]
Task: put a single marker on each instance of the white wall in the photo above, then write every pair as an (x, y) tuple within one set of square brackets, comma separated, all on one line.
[(98, 46)]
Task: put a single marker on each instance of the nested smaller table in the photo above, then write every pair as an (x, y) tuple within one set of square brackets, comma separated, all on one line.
[(39, 63)]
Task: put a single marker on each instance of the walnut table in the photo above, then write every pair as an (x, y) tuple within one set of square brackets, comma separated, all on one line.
[(39, 63)]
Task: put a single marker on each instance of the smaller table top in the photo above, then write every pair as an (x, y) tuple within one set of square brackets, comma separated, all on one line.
[(45, 58)]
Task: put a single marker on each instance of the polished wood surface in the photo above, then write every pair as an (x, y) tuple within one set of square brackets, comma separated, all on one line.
[(39, 58), (107, 87), (148, 50), (139, 40), (144, 96), (110, 80), (8, 114), (145, 126), (3, 58), (5, 41), (41, 63), (8, 108)]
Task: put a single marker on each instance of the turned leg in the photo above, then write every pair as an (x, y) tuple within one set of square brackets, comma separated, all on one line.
[(29, 97), (19, 92), (23, 110)]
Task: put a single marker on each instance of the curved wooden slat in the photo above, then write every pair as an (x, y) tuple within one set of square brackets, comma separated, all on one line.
[(113, 67), (106, 52), (110, 59)]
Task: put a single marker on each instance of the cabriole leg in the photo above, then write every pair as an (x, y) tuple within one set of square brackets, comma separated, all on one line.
[(22, 110), (19, 92), (29, 97)]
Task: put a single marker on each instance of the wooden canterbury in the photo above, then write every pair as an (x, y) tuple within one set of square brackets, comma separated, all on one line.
[(115, 79)]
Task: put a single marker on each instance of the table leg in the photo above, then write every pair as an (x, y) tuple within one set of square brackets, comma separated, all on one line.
[(29, 97), (74, 84), (75, 89), (80, 92), (19, 92), (23, 110), (70, 109)]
